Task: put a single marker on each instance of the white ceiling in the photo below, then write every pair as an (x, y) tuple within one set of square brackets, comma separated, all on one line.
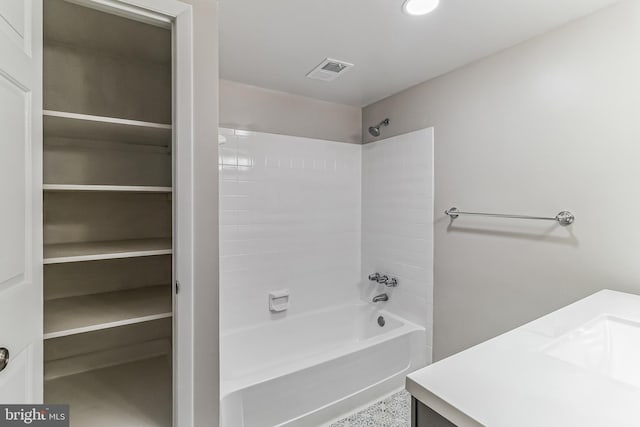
[(275, 43)]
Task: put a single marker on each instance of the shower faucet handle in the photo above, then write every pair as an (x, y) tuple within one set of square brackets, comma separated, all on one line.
[(377, 277), (374, 277), (391, 282), (383, 279)]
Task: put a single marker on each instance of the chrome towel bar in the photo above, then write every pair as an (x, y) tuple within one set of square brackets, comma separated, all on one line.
[(563, 218)]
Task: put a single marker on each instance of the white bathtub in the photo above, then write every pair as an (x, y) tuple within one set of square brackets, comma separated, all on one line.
[(310, 369)]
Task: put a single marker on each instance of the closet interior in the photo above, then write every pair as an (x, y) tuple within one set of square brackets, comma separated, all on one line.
[(108, 217)]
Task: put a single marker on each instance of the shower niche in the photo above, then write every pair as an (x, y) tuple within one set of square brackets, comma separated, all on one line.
[(108, 217)]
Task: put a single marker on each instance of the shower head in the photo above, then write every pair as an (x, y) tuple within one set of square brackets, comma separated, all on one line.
[(375, 130)]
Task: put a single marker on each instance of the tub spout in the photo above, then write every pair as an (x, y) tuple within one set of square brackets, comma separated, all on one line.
[(381, 297)]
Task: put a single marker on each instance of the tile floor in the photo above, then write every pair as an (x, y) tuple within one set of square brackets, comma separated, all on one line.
[(394, 411)]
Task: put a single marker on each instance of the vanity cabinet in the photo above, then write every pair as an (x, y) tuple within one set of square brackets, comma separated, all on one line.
[(423, 416)]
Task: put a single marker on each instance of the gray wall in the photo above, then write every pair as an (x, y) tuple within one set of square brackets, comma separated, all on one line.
[(252, 108), (550, 124)]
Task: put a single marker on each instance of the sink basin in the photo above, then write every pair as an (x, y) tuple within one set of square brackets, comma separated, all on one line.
[(607, 345)]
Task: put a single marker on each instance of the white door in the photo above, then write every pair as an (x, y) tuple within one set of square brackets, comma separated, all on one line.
[(20, 200)]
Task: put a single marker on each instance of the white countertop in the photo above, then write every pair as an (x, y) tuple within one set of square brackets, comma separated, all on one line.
[(513, 381)]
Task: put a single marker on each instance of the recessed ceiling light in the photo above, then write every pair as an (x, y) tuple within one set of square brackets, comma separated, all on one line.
[(419, 7)]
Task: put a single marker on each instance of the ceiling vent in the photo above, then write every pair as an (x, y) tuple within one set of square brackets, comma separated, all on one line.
[(329, 70)]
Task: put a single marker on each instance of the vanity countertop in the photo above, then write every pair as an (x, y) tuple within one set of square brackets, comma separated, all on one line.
[(576, 367)]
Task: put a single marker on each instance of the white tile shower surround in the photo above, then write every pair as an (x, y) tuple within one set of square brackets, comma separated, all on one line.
[(289, 218), (397, 222)]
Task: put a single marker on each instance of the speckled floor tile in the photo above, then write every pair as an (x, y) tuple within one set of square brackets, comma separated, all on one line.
[(394, 411)]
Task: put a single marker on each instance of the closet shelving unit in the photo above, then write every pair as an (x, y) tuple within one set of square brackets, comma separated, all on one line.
[(108, 217), (124, 188), (73, 125), (87, 313), (110, 249)]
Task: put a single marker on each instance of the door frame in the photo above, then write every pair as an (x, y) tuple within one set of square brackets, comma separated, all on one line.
[(178, 17)]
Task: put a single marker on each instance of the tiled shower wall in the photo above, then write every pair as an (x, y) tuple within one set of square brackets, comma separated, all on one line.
[(316, 217), (397, 223), (290, 218)]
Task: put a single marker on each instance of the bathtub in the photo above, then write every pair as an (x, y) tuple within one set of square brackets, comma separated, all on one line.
[(311, 369)]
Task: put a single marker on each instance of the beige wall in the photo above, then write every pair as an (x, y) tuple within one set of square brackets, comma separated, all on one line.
[(252, 108), (550, 124)]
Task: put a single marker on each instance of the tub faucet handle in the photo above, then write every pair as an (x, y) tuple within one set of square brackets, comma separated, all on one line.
[(391, 282), (382, 279), (374, 277)]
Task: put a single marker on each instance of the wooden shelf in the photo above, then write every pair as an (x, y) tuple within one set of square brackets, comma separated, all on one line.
[(114, 249), (98, 128), (132, 394), (91, 29), (77, 315), (106, 188)]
